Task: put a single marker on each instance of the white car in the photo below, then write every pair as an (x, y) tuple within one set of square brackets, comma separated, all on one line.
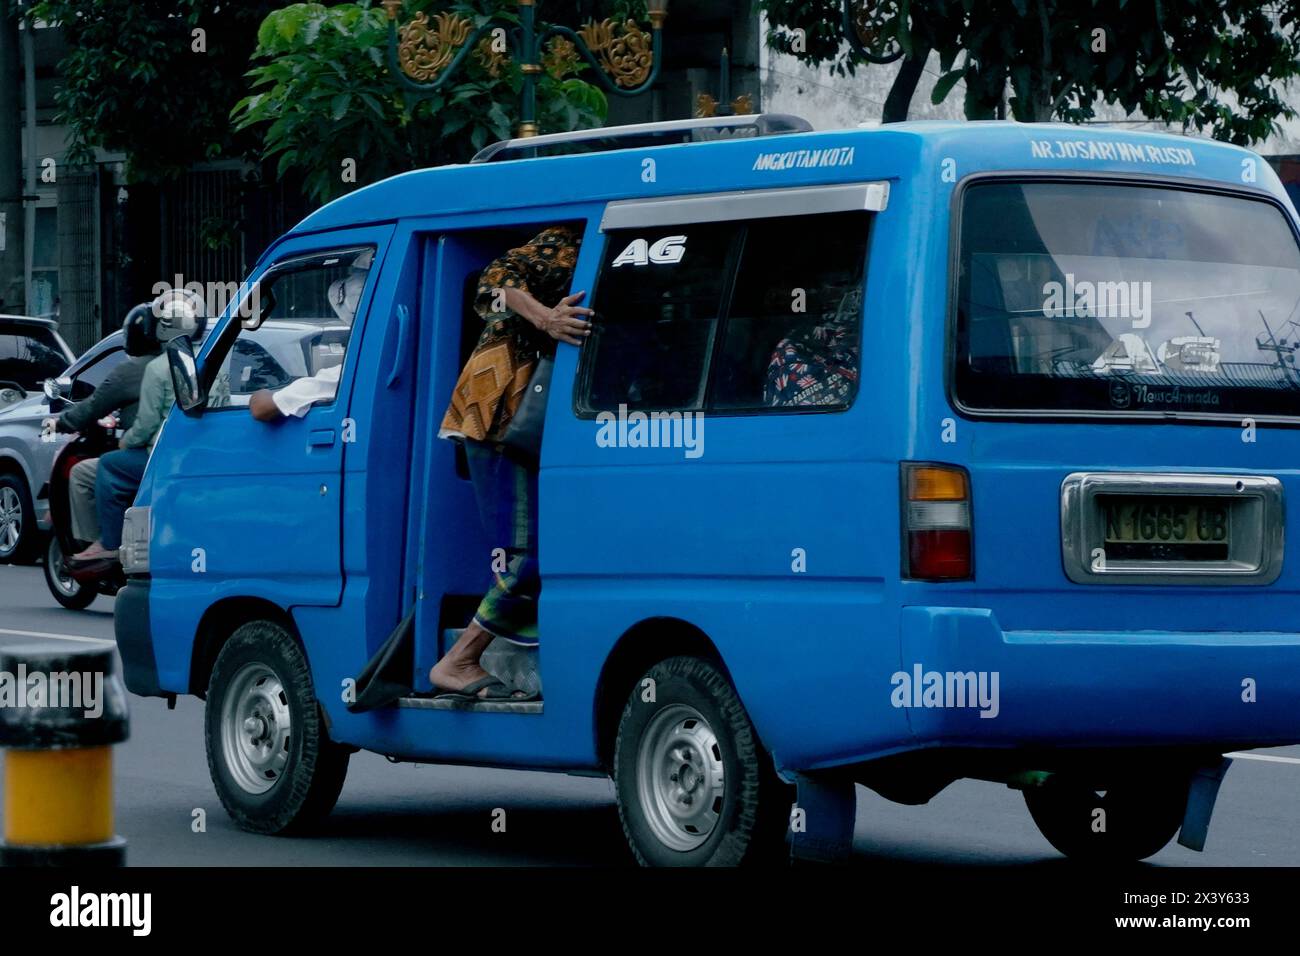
[(32, 352)]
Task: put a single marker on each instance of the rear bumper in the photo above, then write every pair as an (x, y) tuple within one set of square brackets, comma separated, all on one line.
[(1094, 689), (135, 639)]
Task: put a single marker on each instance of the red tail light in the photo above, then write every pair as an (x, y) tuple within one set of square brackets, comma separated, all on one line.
[(936, 522)]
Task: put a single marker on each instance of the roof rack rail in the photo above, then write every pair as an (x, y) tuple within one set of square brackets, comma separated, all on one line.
[(642, 135)]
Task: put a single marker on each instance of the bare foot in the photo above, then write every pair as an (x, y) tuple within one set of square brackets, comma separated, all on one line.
[(459, 667), (449, 676)]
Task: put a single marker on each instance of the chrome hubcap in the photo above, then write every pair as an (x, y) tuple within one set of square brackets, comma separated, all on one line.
[(680, 777), (11, 519), (256, 728)]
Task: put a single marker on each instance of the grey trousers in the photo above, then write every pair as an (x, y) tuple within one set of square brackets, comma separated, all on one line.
[(85, 517)]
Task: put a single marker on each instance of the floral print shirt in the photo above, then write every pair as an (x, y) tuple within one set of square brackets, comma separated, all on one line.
[(493, 381)]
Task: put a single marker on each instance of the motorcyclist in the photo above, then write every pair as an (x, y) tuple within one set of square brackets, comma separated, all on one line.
[(171, 315), (119, 391)]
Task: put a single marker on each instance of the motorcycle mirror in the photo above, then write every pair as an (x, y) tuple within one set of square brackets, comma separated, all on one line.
[(57, 391)]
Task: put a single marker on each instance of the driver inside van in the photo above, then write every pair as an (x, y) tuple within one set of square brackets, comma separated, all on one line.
[(298, 396)]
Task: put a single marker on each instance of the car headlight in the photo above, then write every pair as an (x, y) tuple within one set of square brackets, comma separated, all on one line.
[(135, 541)]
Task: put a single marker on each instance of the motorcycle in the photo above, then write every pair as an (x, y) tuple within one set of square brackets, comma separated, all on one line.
[(76, 587)]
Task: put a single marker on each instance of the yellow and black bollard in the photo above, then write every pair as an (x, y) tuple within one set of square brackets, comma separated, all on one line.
[(61, 710)]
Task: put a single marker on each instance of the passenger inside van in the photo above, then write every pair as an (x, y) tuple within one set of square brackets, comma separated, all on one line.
[(817, 365), (520, 329)]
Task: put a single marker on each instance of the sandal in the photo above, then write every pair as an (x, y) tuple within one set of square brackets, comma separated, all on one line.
[(497, 691)]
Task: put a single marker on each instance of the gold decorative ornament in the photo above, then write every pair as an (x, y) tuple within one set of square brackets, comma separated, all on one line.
[(491, 59), (627, 56), (706, 105), (657, 10), (423, 51), (560, 58)]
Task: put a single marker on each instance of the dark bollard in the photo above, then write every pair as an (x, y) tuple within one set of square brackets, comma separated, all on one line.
[(61, 710)]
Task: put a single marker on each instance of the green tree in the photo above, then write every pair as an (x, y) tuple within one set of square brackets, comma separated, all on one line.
[(326, 104), (910, 27), (139, 79), (1212, 66)]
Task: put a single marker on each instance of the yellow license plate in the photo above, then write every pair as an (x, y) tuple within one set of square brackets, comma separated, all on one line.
[(1165, 519)]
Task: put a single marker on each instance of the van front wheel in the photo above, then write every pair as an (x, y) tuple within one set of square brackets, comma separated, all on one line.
[(694, 785), (1131, 821), (271, 761)]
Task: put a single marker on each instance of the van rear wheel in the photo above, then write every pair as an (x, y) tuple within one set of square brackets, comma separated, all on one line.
[(1130, 822), (270, 759), (694, 785)]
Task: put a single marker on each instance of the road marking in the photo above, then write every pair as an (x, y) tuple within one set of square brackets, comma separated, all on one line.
[(1265, 757), (63, 637)]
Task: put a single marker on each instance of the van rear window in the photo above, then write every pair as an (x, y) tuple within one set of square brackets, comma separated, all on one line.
[(1100, 297)]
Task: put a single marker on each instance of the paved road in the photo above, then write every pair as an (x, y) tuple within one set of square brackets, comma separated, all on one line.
[(400, 814)]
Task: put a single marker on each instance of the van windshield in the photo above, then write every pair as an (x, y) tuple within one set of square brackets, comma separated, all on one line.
[(1098, 297)]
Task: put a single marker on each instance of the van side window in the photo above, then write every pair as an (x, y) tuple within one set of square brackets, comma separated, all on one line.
[(662, 291), (308, 310), (756, 315)]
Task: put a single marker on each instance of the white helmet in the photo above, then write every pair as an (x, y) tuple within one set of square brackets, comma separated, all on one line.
[(179, 312)]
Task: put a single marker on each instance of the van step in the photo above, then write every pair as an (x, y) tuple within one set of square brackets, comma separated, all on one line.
[(481, 707)]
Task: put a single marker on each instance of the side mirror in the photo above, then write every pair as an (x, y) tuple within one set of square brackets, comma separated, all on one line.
[(185, 375), (56, 391)]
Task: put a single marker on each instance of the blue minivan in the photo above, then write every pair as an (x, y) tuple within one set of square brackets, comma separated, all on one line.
[(1032, 530)]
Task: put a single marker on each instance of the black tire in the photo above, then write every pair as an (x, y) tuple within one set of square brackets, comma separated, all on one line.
[(749, 811), (305, 788), (14, 495), (1140, 817), (73, 595)]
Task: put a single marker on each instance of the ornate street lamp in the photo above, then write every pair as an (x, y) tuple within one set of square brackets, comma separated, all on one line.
[(423, 55), (864, 22), (706, 105)]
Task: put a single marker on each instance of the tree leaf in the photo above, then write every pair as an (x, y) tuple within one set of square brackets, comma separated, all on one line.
[(943, 86)]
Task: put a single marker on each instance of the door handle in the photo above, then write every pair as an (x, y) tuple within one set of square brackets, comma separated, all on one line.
[(403, 333), (321, 438)]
